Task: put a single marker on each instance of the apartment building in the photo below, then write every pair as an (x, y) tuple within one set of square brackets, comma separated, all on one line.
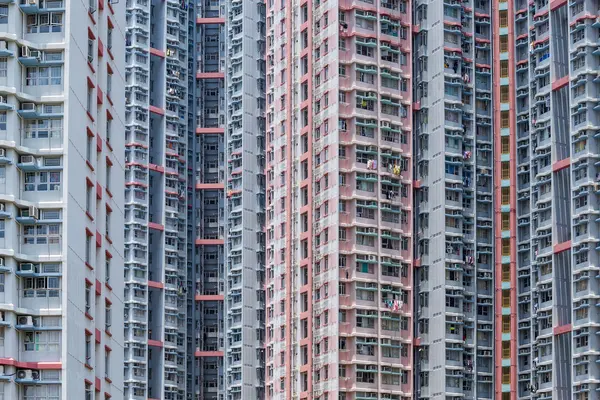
[(339, 256), (453, 200), (156, 141), (61, 199), (227, 218), (546, 62)]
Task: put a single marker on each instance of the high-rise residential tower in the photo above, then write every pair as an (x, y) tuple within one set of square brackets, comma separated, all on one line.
[(61, 199), (194, 189), (226, 223), (453, 199), (339, 257), (155, 199), (545, 131)]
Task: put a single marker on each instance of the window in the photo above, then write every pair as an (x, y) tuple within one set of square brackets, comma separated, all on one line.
[(88, 249), (42, 181), (3, 14), (42, 234), (2, 120), (108, 83), (108, 130), (88, 198), (89, 148), (41, 392), (504, 119), (2, 228), (46, 286), (42, 341), (89, 392), (90, 99), (107, 363), (88, 348), (2, 286), (88, 297), (107, 270), (504, 94), (109, 40), (43, 76), (503, 43), (43, 128), (3, 64), (45, 23), (90, 51), (107, 224), (108, 173), (503, 18)]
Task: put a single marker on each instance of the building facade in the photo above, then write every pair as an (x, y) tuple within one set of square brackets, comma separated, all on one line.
[(155, 199), (339, 257), (546, 120), (61, 199), (453, 200), (226, 221)]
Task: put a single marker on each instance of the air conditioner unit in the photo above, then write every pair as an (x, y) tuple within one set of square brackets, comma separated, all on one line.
[(26, 267), (372, 257), (28, 374), (1, 261), (25, 51), (2, 152), (385, 124), (3, 100), (33, 2), (2, 207), (35, 54), (34, 212), (25, 320), (28, 106), (27, 160), (3, 45)]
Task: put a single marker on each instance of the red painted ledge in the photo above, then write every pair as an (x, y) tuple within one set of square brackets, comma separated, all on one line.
[(210, 75), (154, 284), (31, 365), (156, 110), (559, 83), (209, 297), (559, 330), (199, 353), (560, 247), (208, 242), (210, 20), (156, 52), (208, 131), (205, 186), (154, 225), (155, 343), (156, 168), (561, 164)]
